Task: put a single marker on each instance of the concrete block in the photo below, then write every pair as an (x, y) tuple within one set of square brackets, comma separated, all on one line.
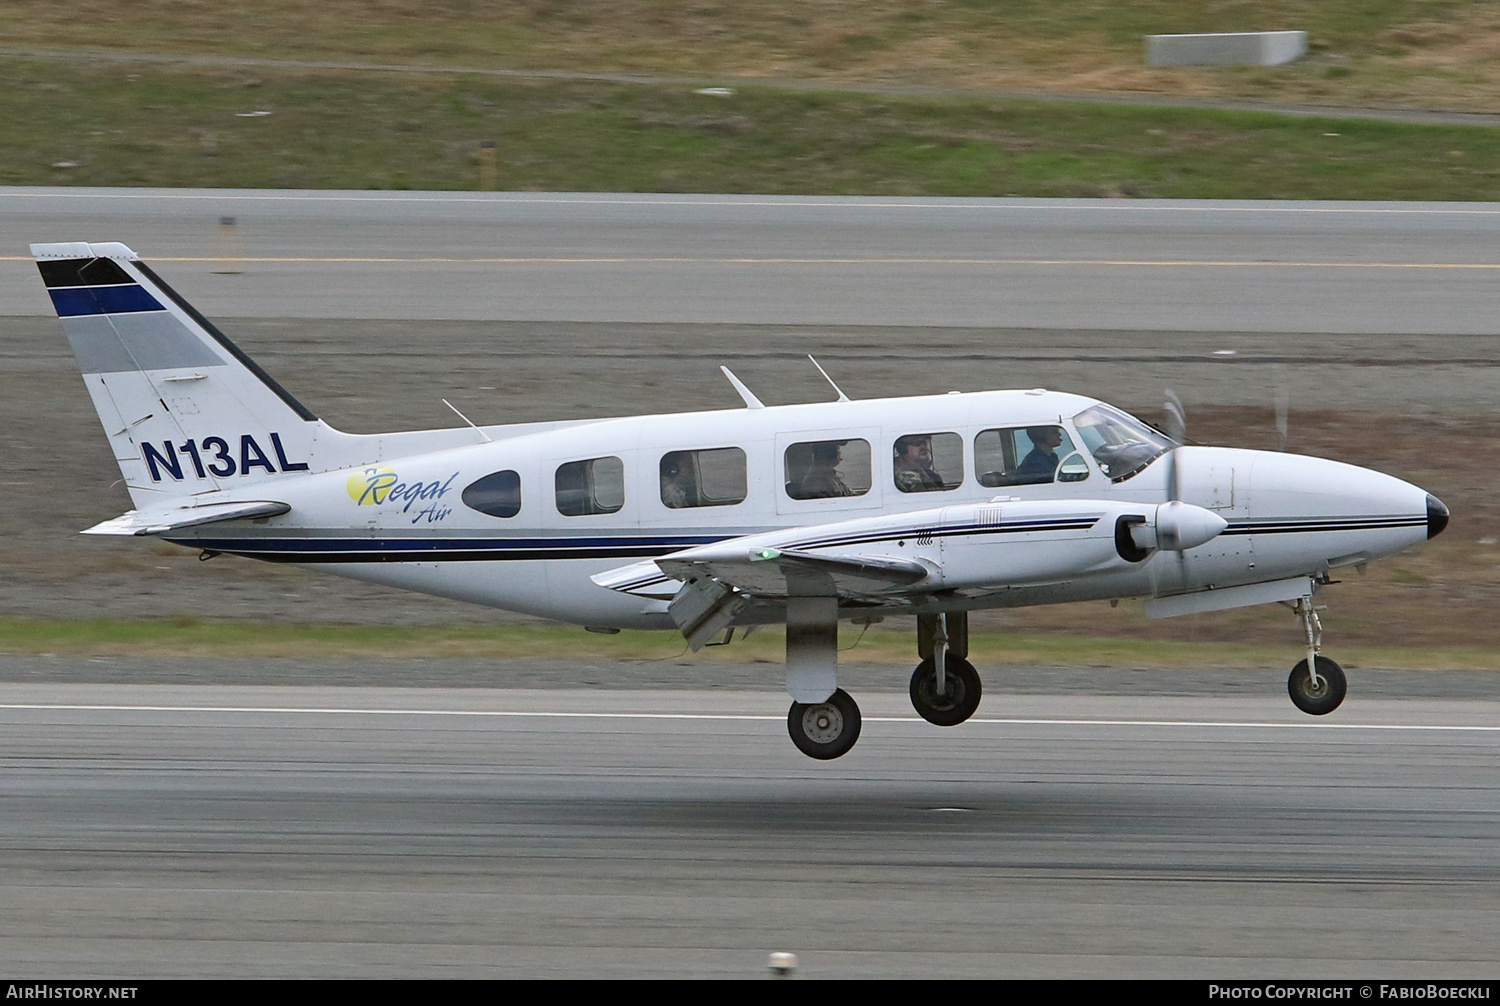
[(1237, 48)]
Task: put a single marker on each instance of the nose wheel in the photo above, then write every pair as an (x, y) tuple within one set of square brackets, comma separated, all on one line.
[(1317, 685), (1320, 695), (824, 730)]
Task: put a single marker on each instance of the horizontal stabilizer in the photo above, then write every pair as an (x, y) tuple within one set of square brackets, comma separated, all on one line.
[(168, 518)]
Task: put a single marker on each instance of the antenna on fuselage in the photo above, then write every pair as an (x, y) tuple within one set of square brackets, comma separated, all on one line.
[(751, 402), (466, 419), (842, 397)]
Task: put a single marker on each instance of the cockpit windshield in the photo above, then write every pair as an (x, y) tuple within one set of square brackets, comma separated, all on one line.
[(1122, 444)]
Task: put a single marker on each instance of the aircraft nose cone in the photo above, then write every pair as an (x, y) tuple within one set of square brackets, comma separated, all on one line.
[(1437, 516)]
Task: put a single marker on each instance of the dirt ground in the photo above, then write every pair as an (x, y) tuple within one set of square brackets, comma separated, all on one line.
[(1401, 405)]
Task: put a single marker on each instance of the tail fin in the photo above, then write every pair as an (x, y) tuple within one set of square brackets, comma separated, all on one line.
[(185, 410)]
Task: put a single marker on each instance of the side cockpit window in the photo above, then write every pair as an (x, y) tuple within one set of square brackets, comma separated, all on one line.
[(590, 487), (714, 477), (823, 469), (497, 494), (928, 462), (1027, 455)]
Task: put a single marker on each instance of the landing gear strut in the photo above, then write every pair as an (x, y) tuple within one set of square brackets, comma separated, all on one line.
[(945, 688), (824, 721), (1317, 685)]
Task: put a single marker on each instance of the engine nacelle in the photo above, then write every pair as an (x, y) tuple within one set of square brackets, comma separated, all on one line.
[(1170, 527)]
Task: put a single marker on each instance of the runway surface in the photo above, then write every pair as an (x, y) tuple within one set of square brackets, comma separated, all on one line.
[(266, 830), (1419, 268), (153, 831)]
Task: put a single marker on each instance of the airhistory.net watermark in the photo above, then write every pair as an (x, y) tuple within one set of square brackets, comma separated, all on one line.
[(46, 990)]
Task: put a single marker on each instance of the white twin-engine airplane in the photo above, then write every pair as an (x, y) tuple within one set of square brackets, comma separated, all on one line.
[(706, 522)]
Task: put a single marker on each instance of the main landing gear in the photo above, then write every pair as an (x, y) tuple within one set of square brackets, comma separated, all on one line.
[(945, 688), (824, 730), (1317, 685), (824, 720)]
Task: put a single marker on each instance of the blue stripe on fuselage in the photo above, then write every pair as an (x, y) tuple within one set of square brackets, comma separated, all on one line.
[(438, 549)]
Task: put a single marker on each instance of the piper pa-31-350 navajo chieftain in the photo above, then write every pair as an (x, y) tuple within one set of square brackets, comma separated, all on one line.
[(931, 506)]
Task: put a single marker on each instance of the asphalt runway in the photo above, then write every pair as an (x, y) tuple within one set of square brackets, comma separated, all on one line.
[(1302, 267), (292, 832), (228, 831)]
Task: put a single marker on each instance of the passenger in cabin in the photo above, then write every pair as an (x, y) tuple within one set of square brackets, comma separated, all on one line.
[(677, 489), (1041, 464), (913, 465), (822, 480)]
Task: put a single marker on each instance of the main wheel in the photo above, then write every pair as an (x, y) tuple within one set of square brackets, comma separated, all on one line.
[(958, 701), (1325, 696), (824, 730)]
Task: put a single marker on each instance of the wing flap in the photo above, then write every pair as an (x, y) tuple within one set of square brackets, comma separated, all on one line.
[(778, 573)]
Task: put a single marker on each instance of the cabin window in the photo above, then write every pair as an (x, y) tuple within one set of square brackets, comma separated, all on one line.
[(822, 469), (1122, 444), (1026, 455), (928, 462), (713, 477), (589, 487), (497, 494)]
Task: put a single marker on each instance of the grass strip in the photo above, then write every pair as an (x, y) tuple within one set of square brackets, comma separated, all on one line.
[(102, 124), (230, 639), (1412, 53)]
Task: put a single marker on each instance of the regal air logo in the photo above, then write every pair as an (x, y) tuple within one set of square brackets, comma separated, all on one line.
[(371, 486), (379, 485)]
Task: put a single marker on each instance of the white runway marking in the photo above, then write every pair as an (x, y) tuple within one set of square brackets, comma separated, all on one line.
[(542, 714)]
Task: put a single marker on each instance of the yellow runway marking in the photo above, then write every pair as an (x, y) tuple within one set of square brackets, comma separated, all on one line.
[(663, 260)]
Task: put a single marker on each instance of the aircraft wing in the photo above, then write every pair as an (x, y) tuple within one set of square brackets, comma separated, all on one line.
[(905, 559), (768, 572), (171, 518)]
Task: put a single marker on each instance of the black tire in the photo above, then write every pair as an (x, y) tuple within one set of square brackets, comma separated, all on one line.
[(960, 700), (824, 730), (1326, 697)]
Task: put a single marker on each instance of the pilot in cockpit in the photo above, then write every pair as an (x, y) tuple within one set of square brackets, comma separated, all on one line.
[(1041, 463)]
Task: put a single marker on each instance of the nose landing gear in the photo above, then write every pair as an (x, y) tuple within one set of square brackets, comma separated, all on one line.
[(1317, 685), (1320, 695)]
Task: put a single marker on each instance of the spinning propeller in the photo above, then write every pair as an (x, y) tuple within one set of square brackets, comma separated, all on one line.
[(1283, 403)]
